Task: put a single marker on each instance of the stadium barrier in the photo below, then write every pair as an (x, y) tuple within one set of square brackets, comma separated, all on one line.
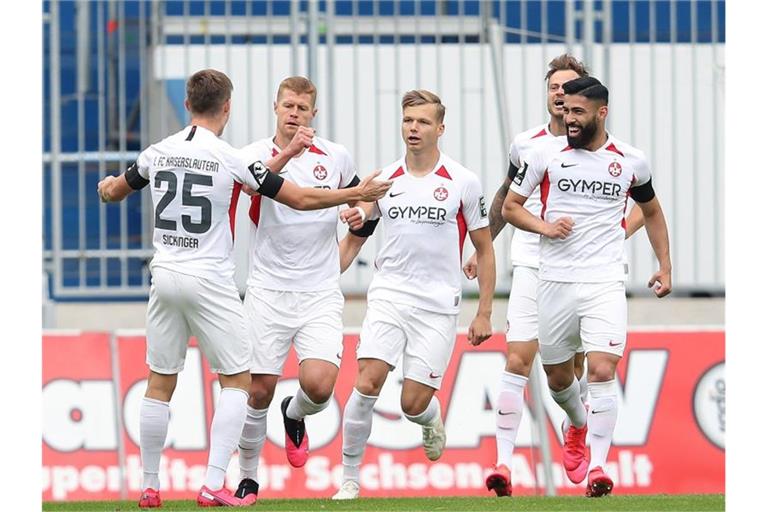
[(669, 437)]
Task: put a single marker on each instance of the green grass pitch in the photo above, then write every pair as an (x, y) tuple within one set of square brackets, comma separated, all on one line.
[(690, 502)]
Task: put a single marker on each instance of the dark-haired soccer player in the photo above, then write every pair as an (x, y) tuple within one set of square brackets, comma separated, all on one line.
[(581, 294), (522, 323), (195, 177)]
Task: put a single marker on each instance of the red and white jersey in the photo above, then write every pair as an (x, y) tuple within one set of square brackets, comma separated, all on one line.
[(295, 250), (525, 245), (592, 188), (425, 221), (196, 179)]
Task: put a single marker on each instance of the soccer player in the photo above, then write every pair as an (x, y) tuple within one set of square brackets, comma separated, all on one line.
[(581, 291), (293, 289), (413, 299), (195, 178), (522, 325)]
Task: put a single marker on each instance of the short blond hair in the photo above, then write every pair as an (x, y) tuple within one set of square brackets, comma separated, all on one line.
[(424, 97), (299, 85)]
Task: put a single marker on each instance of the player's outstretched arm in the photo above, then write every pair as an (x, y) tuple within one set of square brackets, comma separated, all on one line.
[(307, 198), (496, 223), (635, 220), (480, 328), (658, 235), (114, 188)]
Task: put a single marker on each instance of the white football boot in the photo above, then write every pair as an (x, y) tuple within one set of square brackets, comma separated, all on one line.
[(434, 438), (350, 490)]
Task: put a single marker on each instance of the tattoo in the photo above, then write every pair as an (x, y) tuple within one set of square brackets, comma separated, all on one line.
[(496, 221)]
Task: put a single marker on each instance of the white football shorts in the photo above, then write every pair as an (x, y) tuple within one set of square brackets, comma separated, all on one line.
[(424, 339), (181, 306), (311, 320), (522, 314), (522, 311), (572, 315)]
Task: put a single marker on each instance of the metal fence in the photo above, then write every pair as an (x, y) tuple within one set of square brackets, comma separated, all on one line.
[(115, 74)]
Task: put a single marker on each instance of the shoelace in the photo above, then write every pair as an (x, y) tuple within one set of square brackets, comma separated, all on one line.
[(571, 441)]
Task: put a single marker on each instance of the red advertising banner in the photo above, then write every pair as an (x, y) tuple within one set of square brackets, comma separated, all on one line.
[(669, 437)]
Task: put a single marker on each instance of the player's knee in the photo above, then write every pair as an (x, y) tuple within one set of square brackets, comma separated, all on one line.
[(260, 395), (518, 365), (413, 405), (318, 392), (368, 386), (559, 380), (601, 372)]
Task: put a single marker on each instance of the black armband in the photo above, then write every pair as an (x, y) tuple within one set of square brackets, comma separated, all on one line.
[(134, 179), (354, 182), (511, 171), (642, 193), (367, 230), (269, 183)]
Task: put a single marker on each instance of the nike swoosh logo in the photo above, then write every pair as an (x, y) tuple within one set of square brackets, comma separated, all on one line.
[(614, 343), (433, 376), (502, 413), (564, 165), (395, 195), (598, 412)]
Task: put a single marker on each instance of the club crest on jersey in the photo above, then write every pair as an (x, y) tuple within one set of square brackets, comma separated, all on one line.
[(441, 193), (615, 169), (320, 172)]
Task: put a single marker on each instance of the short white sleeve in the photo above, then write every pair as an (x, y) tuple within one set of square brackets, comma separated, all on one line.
[(143, 162), (642, 170), (529, 175), (346, 167), (514, 155), (473, 204)]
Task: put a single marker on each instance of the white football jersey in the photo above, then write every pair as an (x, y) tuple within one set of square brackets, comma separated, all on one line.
[(525, 245), (196, 179), (592, 188), (425, 221), (294, 250)]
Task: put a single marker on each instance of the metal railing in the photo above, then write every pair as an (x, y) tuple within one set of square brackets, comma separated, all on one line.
[(117, 87)]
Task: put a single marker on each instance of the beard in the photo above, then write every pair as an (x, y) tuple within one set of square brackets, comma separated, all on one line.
[(585, 136)]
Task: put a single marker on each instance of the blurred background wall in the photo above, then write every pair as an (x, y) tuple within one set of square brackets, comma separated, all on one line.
[(114, 77)]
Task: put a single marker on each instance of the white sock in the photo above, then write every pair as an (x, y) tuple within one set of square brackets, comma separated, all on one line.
[(301, 406), (358, 418), (583, 386), (153, 429), (570, 401), (252, 442), (226, 427), (510, 411), (429, 415), (604, 410)]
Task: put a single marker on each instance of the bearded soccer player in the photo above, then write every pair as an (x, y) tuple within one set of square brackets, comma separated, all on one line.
[(414, 297), (293, 291), (195, 178), (522, 325), (581, 291)]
